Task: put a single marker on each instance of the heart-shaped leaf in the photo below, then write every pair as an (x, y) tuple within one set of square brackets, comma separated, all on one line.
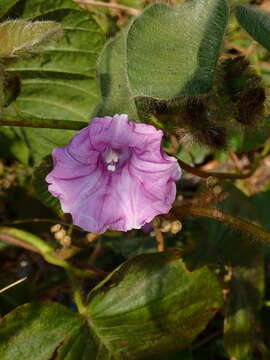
[(150, 306), (172, 51), (153, 306), (60, 84), (116, 95), (166, 52), (34, 331)]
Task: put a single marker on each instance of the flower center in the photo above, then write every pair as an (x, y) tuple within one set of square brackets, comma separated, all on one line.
[(111, 158)]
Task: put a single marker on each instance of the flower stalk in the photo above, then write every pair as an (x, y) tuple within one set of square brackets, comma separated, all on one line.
[(219, 175), (216, 214)]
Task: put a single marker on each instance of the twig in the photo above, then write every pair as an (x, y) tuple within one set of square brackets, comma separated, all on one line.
[(223, 217), (95, 253), (43, 123), (13, 284), (41, 220), (236, 161), (219, 175), (110, 5)]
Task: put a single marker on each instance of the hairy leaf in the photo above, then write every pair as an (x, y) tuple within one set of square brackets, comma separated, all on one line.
[(116, 94), (172, 51), (214, 243), (165, 53), (21, 38), (41, 187), (153, 305), (256, 23), (149, 306), (34, 331), (11, 145), (60, 84)]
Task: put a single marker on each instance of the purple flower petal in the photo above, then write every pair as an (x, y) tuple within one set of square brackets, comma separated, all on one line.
[(114, 175)]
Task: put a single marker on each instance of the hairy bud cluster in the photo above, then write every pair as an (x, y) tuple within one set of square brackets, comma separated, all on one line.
[(196, 117), (244, 89)]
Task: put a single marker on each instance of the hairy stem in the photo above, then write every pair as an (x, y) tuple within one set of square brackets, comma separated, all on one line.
[(42, 123), (216, 214), (41, 220), (219, 175)]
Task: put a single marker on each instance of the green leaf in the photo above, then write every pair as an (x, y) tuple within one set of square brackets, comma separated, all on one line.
[(149, 58), (116, 96), (129, 245), (256, 23), (20, 38), (149, 306), (60, 84), (152, 305), (12, 88), (185, 354), (34, 331), (41, 187), (80, 347), (11, 145), (244, 301), (6, 5), (242, 140), (262, 203), (217, 244), (172, 51)]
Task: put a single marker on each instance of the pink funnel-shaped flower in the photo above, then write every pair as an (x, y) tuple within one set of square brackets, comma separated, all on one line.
[(114, 175)]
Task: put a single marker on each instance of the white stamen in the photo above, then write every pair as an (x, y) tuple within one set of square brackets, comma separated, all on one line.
[(111, 156), (111, 167)]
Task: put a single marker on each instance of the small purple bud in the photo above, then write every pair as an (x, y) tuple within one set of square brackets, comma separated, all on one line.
[(113, 174)]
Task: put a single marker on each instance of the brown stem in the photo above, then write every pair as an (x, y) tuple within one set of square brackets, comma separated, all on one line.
[(224, 217), (159, 239), (236, 162), (219, 175), (41, 220), (42, 123), (95, 254)]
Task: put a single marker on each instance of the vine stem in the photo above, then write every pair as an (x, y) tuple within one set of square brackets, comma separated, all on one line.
[(224, 217), (41, 220), (42, 123), (159, 239), (219, 175), (76, 289)]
